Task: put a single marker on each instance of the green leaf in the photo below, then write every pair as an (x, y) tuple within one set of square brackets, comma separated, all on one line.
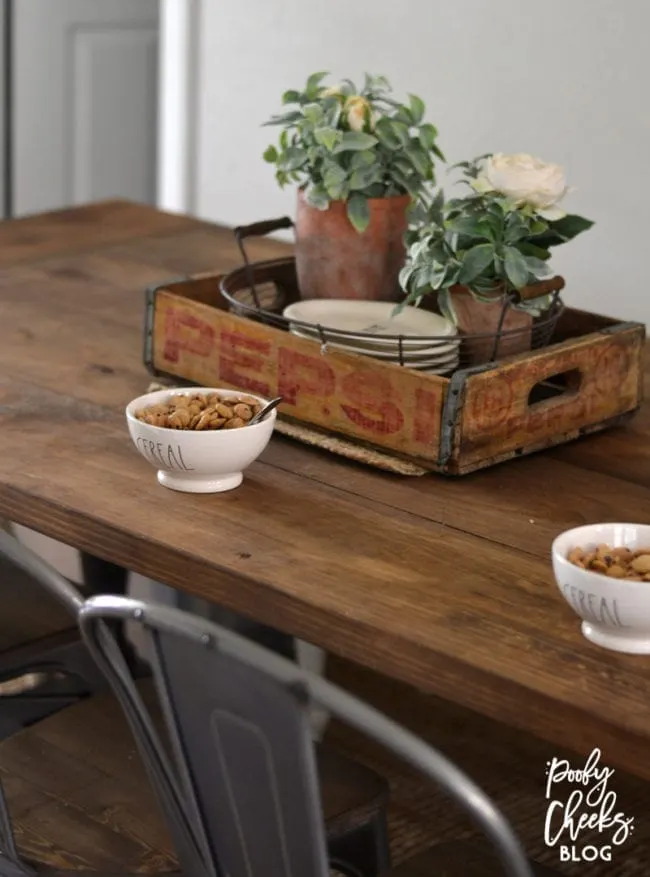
[(436, 209), (314, 82), (474, 262), (538, 226), (359, 212), (403, 115), (538, 267), (284, 119), (317, 197), (348, 87), (352, 141), (334, 180), (420, 159), (416, 105), (293, 158), (516, 228), (270, 154), (401, 131), (529, 249), (570, 226), (470, 226), (374, 84), (327, 137), (446, 306), (407, 183), (516, 267), (363, 159), (387, 137), (428, 134), (313, 113), (438, 152), (284, 139), (363, 177), (291, 97)]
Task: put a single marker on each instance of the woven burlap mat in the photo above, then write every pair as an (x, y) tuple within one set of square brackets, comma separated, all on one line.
[(334, 444), (508, 764)]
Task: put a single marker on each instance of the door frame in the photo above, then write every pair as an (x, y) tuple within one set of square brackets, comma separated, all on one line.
[(178, 77)]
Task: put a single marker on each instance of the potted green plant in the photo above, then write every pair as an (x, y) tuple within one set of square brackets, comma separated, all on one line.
[(359, 158), (475, 251)]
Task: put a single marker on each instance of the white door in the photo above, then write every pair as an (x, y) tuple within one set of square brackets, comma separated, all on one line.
[(84, 102)]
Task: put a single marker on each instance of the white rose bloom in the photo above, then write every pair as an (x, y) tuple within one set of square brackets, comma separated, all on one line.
[(525, 180)]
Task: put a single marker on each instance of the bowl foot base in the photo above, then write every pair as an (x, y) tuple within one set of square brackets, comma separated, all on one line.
[(187, 483), (616, 640)]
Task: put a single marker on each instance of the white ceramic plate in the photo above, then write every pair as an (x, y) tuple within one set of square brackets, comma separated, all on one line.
[(370, 317), (390, 351)]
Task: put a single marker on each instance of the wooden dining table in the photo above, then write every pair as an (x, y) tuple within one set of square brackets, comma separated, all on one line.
[(445, 584)]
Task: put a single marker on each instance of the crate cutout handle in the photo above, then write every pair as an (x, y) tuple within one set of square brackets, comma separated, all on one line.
[(555, 387)]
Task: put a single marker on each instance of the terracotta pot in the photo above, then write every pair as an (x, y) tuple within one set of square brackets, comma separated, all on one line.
[(334, 261), (480, 318)]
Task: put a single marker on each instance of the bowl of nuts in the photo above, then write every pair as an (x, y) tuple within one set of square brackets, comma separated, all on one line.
[(603, 572), (199, 439)]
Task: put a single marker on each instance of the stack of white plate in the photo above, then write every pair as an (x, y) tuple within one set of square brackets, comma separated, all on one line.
[(428, 340)]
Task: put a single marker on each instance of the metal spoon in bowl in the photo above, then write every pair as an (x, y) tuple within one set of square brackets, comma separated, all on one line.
[(261, 414)]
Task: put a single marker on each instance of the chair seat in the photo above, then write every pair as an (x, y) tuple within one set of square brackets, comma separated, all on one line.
[(460, 859), (80, 798)]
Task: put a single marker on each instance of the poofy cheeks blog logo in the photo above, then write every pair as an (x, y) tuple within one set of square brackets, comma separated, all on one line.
[(580, 801)]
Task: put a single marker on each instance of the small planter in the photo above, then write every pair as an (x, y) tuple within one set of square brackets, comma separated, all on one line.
[(334, 261), (501, 332)]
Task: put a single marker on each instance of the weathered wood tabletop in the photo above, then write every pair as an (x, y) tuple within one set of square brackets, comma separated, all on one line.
[(445, 584)]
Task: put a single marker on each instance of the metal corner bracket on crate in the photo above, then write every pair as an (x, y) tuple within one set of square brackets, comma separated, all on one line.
[(452, 408), (587, 379), (149, 311)]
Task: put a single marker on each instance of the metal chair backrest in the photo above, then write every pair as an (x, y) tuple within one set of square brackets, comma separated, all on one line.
[(42, 572), (149, 744), (237, 717)]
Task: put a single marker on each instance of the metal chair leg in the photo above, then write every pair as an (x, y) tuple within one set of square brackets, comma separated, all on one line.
[(365, 850)]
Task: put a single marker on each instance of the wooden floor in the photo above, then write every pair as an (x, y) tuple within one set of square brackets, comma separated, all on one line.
[(509, 765)]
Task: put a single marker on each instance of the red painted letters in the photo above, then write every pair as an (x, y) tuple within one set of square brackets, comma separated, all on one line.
[(184, 331), (238, 351), (371, 394), (299, 373)]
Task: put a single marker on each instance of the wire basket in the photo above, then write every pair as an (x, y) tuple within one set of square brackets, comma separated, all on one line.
[(262, 290)]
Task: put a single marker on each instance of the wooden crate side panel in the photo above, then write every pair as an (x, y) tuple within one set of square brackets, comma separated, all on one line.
[(496, 415), (474, 465), (383, 405)]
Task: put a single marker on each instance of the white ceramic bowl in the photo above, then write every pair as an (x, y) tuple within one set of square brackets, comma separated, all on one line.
[(615, 613), (207, 461)]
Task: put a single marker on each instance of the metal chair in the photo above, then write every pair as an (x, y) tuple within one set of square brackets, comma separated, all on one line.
[(354, 796), (51, 582), (40, 642), (236, 716)]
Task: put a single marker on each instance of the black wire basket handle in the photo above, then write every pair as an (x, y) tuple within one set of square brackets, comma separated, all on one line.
[(258, 229)]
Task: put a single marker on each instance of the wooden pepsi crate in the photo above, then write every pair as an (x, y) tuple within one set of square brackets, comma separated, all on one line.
[(588, 378)]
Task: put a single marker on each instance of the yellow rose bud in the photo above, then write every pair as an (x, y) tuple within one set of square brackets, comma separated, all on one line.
[(358, 114)]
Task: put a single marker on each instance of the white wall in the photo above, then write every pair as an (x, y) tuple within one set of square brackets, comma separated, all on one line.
[(566, 79)]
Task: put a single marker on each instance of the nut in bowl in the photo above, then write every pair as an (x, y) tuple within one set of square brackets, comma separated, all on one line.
[(199, 439), (603, 572)]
